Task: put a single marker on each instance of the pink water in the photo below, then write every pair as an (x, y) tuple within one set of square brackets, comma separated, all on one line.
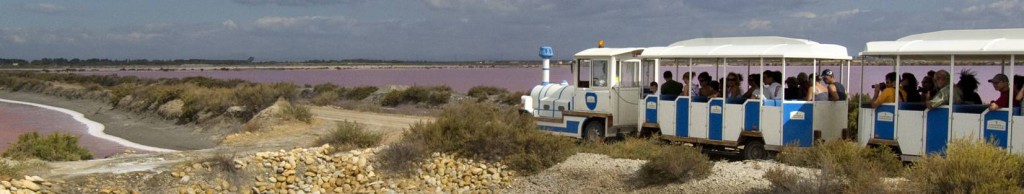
[(16, 119), (520, 79)]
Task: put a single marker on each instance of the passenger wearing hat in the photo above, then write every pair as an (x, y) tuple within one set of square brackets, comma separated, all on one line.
[(827, 89), (1002, 84)]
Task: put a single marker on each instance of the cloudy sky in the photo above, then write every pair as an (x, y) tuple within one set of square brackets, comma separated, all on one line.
[(453, 29)]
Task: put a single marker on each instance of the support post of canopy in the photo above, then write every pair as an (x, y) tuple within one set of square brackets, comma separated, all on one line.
[(690, 69), (761, 86), (952, 88), (846, 89), (721, 70), (814, 80), (898, 92), (1009, 117)]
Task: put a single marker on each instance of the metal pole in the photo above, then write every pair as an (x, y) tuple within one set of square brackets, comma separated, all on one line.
[(1010, 117), (761, 86), (952, 88), (814, 79), (896, 110)]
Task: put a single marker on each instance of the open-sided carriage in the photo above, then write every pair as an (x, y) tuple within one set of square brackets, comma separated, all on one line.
[(914, 130), (751, 126)]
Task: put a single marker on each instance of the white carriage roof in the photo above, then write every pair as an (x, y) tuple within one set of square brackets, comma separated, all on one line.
[(748, 47), (605, 52), (953, 42)]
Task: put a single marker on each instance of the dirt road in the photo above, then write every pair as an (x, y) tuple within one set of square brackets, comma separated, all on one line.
[(391, 125)]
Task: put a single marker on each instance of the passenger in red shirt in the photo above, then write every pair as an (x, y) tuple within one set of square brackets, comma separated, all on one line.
[(1002, 84)]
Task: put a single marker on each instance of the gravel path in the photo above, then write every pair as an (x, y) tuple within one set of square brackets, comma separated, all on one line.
[(595, 173)]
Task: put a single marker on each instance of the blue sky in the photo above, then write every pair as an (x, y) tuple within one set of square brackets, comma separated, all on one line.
[(453, 29)]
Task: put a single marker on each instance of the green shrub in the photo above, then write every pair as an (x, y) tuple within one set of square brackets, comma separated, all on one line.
[(674, 164), (430, 96), (298, 113), (348, 135), (325, 98), (481, 93), (970, 166), (630, 148), (120, 91), (853, 168), (488, 132), (511, 98), (55, 147), (359, 93)]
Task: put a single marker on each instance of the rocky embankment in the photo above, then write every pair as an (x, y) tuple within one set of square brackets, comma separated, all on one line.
[(316, 170), (29, 184)]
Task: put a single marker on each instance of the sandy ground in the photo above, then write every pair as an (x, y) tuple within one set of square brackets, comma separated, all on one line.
[(138, 128), (391, 125)]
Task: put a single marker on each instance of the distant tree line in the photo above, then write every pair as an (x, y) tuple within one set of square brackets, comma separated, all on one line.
[(110, 62)]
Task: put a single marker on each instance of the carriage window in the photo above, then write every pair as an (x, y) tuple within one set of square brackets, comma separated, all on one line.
[(600, 73), (583, 75), (628, 75)]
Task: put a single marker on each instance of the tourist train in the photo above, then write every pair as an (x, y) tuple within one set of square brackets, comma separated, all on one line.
[(612, 93)]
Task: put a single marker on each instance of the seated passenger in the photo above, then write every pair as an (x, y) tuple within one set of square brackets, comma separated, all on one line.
[(753, 87), (706, 90), (908, 82), (968, 84), (792, 89), (827, 89), (888, 94), (772, 88), (671, 88), (732, 86), (652, 88), (1002, 84), (941, 97)]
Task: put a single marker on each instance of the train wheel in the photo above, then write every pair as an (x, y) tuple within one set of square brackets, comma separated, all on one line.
[(593, 131), (754, 150)]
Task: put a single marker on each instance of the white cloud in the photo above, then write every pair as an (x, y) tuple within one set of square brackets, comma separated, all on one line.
[(279, 21), (757, 24), (498, 6), (296, 2), (230, 24), (16, 39), (804, 14), (46, 8), (848, 13)]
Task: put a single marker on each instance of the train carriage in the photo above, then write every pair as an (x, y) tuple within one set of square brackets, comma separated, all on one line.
[(599, 102), (751, 126), (915, 130)]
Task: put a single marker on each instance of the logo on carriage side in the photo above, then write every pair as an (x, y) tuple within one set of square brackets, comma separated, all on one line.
[(591, 99), (796, 115), (993, 124), (716, 109), (885, 116), (652, 105)]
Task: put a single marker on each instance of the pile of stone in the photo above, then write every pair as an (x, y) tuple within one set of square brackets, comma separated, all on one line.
[(30, 184), (449, 174), (316, 170)]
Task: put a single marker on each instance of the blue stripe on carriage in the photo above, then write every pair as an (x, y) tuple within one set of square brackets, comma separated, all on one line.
[(937, 131), (683, 117), (751, 115), (997, 134), (651, 114), (885, 129), (798, 131), (570, 127), (715, 119)]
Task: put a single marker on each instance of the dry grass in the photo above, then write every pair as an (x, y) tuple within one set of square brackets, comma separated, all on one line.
[(400, 157), (488, 132), (845, 167), (349, 135), (969, 167), (297, 112), (418, 95), (674, 164)]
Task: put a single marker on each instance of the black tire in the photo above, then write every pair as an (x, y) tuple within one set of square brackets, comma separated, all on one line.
[(593, 131), (754, 150)]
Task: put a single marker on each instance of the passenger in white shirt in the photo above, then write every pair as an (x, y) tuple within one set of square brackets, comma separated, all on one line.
[(772, 90)]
